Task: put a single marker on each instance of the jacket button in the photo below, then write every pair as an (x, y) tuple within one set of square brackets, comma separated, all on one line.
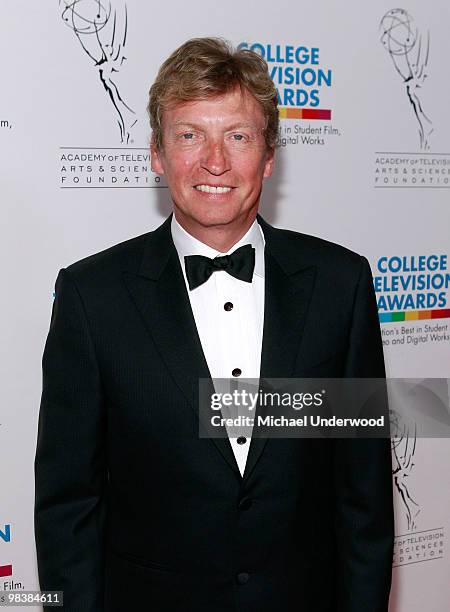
[(245, 504), (243, 578)]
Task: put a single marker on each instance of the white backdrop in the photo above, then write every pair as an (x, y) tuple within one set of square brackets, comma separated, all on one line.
[(373, 175)]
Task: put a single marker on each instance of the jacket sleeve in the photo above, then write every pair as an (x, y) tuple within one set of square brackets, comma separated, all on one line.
[(70, 462), (363, 477)]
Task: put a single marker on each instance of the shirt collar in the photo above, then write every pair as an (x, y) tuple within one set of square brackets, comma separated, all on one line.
[(186, 244)]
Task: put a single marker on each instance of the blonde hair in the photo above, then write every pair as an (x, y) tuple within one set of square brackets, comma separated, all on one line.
[(203, 68)]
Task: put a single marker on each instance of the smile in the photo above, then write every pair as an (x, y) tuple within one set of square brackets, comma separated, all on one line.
[(211, 189)]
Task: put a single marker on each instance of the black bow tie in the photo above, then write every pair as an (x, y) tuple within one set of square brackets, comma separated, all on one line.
[(239, 264)]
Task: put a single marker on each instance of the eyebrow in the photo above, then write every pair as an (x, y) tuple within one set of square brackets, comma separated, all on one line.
[(228, 128)]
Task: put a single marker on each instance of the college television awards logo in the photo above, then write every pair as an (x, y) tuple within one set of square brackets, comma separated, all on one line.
[(408, 45), (302, 82), (101, 30), (9, 581), (413, 292), (6, 569)]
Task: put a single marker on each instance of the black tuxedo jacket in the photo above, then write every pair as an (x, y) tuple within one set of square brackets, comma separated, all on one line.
[(135, 512)]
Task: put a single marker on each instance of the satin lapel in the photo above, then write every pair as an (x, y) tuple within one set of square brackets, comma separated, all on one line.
[(287, 297), (160, 295)]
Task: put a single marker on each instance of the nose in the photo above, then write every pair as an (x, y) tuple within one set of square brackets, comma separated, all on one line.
[(214, 158)]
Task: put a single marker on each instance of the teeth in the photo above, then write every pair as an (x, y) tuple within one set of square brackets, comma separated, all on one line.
[(210, 189)]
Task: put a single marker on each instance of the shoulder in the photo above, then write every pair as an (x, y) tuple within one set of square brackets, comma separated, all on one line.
[(128, 256), (119, 257), (296, 250), (103, 272)]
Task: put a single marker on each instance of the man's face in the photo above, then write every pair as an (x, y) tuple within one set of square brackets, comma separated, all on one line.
[(214, 158)]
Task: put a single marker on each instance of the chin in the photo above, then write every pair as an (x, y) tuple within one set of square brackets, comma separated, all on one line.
[(210, 217)]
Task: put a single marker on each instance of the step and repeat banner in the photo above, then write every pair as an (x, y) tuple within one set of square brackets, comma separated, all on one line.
[(363, 160)]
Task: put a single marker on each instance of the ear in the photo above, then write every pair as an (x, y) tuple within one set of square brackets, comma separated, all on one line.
[(269, 163), (156, 158)]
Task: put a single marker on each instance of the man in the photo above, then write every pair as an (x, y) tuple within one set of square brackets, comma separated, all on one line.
[(135, 511)]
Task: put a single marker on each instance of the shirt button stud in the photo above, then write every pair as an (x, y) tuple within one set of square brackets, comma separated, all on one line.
[(243, 577), (236, 372), (241, 440), (228, 306)]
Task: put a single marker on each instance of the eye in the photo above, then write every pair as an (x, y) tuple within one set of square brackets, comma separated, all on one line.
[(238, 137), (187, 136)]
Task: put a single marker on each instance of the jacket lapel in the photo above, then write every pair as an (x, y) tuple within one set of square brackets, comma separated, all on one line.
[(159, 293), (289, 282)]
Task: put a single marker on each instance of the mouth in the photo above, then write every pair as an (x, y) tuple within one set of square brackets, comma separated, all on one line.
[(213, 188)]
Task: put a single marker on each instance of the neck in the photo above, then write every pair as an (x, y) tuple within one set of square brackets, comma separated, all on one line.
[(219, 237)]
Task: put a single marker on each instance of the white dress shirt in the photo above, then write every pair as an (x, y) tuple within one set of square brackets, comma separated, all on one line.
[(230, 338)]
